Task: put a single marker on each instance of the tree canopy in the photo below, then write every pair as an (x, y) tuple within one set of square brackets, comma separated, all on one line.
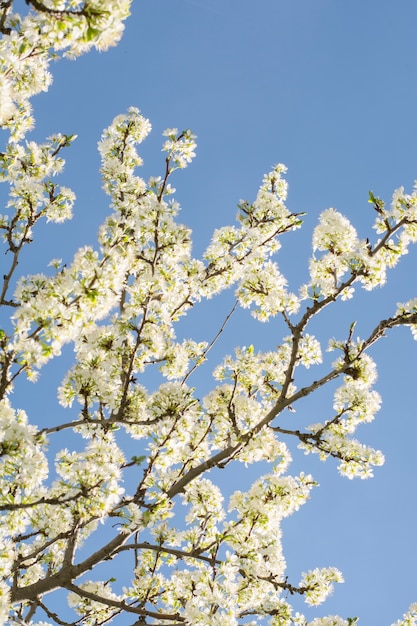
[(149, 538)]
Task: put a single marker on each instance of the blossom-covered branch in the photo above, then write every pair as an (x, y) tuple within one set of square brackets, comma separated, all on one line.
[(155, 520)]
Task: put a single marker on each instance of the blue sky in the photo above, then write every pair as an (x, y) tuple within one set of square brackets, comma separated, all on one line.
[(330, 89)]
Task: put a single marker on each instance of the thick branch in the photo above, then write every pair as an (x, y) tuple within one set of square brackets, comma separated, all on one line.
[(67, 574), (123, 605), (194, 554), (39, 6)]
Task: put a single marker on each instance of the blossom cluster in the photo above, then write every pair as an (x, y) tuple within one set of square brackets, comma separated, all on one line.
[(31, 41), (355, 402), (346, 258)]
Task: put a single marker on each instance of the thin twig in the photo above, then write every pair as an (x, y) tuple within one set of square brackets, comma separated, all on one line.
[(211, 344)]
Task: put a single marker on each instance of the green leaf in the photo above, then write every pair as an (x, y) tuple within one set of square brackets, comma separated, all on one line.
[(377, 202), (68, 139), (138, 460), (91, 34), (372, 200)]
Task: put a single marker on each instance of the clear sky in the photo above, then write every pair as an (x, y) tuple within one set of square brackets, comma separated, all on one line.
[(329, 88)]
